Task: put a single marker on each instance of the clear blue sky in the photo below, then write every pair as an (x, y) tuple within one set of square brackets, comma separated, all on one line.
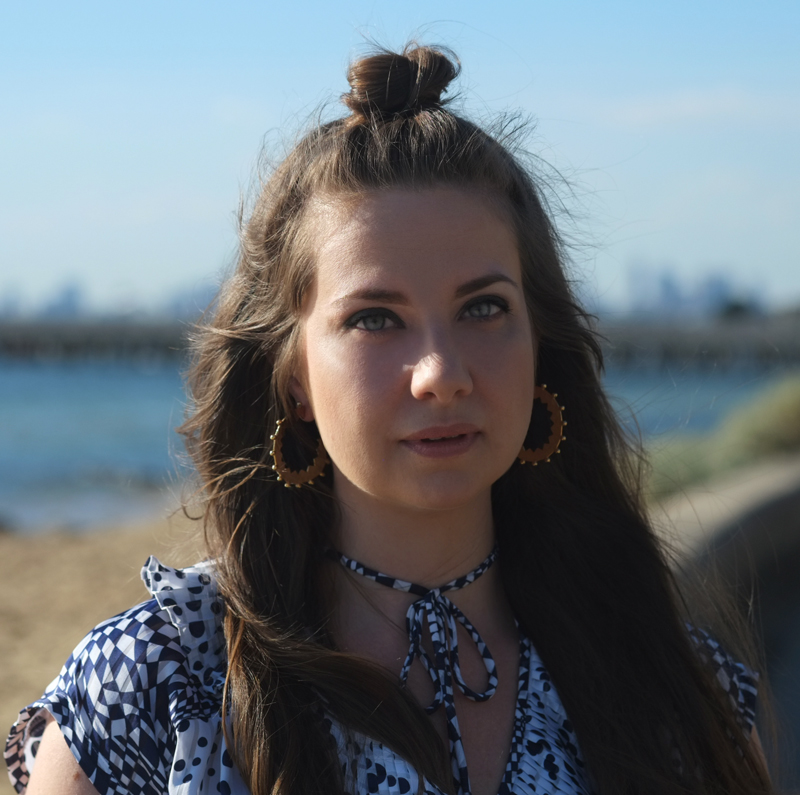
[(129, 130)]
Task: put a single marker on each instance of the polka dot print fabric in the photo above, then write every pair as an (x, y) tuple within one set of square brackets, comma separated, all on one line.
[(544, 755), (138, 703)]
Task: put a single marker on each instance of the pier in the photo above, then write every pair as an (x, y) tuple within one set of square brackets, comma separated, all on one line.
[(93, 339), (756, 341), (760, 341)]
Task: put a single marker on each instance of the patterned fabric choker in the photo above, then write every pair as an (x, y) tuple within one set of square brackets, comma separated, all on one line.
[(442, 617)]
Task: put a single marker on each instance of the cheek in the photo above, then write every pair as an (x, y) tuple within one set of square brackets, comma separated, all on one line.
[(508, 376), (506, 364), (351, 389)]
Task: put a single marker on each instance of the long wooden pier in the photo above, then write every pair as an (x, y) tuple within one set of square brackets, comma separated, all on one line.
[(766, 341), (93, 339)]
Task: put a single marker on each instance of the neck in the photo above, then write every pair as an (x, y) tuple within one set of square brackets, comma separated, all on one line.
[(428, 547)]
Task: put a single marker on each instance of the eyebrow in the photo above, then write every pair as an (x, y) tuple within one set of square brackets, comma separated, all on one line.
[(481, 282), (400, 299), (381, 296)]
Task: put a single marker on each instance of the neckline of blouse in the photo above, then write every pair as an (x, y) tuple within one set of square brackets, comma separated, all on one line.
[(434, 608)]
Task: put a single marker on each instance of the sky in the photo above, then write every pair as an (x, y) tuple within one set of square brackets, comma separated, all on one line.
[(129, 132)]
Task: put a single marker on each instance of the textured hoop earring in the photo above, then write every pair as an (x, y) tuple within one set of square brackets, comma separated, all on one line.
[(557, 425), (292, 477)]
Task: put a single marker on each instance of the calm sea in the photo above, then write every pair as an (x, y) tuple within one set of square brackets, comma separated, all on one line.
[(83, 444)]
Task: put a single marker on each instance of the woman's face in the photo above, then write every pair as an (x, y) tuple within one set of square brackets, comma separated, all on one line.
[(417, 354)]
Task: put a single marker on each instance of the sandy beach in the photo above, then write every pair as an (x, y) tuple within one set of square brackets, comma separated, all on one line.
[(57, 586)]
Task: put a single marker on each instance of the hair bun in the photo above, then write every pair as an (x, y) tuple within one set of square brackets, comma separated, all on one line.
[(389, 83)]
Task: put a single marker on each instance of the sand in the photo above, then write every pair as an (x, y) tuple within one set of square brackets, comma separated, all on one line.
[(57, 586)]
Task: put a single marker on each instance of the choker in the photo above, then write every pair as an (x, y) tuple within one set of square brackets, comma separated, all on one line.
[(442, 618)]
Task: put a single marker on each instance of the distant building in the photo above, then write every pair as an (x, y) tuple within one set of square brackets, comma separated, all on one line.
[(10, 305), (67, 304), (660, 294), (190, 303)]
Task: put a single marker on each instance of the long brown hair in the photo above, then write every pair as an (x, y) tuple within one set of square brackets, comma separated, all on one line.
[(581, 567)]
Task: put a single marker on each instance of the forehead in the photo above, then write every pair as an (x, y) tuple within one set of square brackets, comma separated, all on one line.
[(412, 238)]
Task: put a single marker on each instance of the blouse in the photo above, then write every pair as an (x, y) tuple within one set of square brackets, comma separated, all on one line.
[(139, 705)]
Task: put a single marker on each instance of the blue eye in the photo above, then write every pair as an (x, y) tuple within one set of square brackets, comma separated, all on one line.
[(374, 320), (486, 307)]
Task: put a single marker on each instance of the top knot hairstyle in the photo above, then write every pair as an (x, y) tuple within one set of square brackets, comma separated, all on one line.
[(580, 565), (388, 84)]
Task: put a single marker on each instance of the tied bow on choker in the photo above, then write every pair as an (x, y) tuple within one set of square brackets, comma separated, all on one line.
[(444, 669)]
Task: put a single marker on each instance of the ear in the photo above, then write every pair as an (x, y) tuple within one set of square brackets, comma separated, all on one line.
[(303, 404)]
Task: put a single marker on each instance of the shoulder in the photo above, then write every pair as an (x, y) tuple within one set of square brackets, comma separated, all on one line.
[(172, 640), (133, 684)]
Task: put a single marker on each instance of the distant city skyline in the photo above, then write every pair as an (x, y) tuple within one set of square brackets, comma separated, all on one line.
[(71, 301), (130, 132), (653, 290)]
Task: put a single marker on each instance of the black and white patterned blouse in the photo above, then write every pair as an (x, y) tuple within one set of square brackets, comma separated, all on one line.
[(138, 703)]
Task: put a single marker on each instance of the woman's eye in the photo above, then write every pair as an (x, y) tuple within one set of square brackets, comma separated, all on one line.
[(374, 320), (485, 308), (372, 323)]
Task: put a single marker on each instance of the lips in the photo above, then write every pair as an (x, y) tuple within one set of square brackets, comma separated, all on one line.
[(436, 432), (442, 441)]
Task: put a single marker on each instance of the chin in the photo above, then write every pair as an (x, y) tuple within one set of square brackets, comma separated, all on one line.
[(445, 493)]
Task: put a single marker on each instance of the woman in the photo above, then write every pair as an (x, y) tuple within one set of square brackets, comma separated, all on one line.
[(395, 599)]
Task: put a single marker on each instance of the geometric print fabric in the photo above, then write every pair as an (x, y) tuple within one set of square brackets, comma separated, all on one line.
[(139, 704)]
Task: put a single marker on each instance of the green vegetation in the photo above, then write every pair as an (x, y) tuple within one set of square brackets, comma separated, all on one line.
[(768, 426)]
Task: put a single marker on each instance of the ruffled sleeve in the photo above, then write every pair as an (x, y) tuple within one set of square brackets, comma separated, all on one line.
[(192, 605), (111, 701), (735, 678), (139, 700)]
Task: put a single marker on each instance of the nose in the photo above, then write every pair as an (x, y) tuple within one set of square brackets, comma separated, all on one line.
[(441, 371)]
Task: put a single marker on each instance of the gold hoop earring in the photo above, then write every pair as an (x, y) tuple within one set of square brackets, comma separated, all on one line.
[(557, 425), (292, 477)]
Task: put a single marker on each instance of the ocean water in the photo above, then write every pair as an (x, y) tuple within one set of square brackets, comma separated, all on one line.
[(87, 444), (662, 401)]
